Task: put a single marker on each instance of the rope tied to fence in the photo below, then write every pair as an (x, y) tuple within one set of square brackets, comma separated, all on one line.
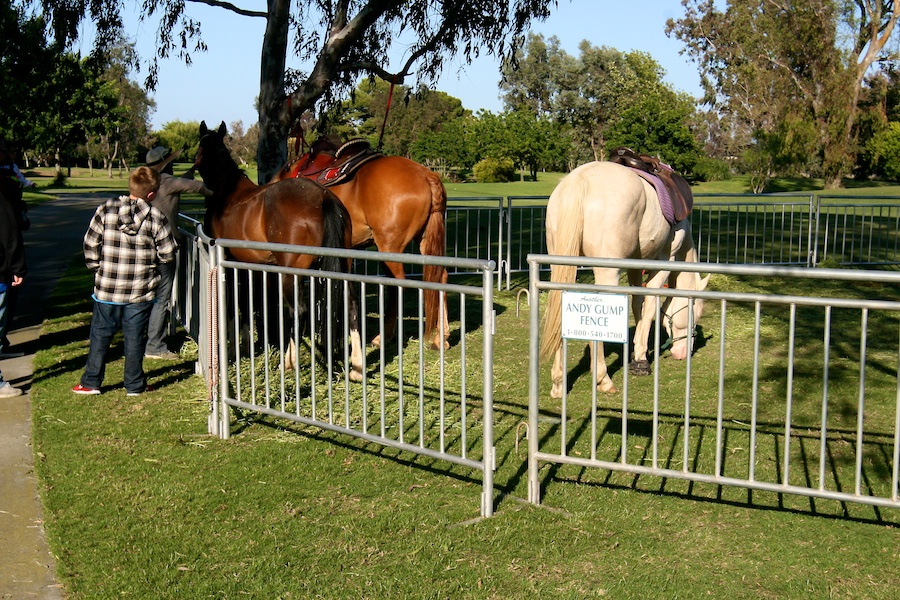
[(212, 351)]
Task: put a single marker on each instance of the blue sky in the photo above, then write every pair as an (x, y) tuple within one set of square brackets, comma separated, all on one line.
[(221, 84)]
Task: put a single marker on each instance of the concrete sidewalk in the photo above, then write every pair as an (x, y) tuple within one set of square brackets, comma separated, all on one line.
[(27, 568)]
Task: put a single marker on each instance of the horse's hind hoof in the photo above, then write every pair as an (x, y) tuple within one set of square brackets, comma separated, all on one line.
[(639, 367)]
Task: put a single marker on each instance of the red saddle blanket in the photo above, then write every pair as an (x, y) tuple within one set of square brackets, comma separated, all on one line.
[(330, 162)]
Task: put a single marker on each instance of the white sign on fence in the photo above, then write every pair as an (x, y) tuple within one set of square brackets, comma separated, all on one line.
[(595, 317)]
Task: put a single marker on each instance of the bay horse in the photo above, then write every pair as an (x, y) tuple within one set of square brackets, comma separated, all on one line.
[(604, 209), (297, 212), (392, 201)]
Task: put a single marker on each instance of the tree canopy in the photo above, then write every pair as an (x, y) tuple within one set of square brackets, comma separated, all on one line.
[(604, 97), (774, 68), (340, 39)]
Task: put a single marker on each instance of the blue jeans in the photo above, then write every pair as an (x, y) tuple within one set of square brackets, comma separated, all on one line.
[(108, 319), (159, 316)]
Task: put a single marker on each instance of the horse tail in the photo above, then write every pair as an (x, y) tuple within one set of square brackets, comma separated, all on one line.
[(336, 224), (434, 243), (568, 201)]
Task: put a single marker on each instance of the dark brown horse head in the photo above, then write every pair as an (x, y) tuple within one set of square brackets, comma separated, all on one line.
[(219, 170)]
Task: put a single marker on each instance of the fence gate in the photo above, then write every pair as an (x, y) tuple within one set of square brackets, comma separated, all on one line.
[(433, 402), (791, 394)]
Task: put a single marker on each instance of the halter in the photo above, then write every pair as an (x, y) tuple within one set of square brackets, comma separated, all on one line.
[(671, 320)]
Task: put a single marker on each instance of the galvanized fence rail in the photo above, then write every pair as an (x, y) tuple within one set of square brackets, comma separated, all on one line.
[(857, 234), (436, 403), (773, 229), (190, 301), (817, 415)]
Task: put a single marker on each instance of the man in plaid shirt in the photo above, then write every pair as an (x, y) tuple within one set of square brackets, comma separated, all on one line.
[(123, 246)]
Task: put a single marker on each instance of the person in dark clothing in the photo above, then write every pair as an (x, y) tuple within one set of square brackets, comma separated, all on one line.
[(167, 201), (12, 273)]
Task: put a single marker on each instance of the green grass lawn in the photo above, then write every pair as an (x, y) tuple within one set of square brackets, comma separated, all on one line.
[(140, 502)]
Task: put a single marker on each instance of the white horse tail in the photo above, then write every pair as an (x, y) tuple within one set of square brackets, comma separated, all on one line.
[(566, 202)]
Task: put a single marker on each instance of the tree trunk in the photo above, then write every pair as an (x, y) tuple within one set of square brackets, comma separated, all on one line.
[(271, 150)]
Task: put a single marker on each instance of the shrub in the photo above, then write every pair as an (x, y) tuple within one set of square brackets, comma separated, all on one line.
[(711, 169), (494, 170)]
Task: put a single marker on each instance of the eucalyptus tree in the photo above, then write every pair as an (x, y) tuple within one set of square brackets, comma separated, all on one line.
[(24, 59), (778, 66), (602, 97), (340, 39), (395, 116)]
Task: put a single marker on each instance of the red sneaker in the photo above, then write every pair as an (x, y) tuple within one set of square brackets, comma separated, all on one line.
[(85, 391)]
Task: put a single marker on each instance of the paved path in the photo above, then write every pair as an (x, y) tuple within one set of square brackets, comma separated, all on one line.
[(27, 569)]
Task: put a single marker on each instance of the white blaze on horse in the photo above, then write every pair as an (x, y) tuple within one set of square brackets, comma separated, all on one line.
[(604, 209)]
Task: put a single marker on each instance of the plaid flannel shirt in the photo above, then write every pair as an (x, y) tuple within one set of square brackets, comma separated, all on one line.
[(125, 241)]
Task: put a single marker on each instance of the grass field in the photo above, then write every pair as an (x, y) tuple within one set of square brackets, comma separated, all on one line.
[(82, 180), (140, 502)]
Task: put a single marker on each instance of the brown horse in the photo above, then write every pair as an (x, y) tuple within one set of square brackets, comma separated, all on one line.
[(393, 201), (297, 212)]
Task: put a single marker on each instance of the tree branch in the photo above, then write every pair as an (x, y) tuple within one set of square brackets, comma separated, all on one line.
[(405, 71), (232, 8)]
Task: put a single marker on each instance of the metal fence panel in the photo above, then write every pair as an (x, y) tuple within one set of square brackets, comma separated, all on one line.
[(771, 231), (526, 232), (817, 414), (437, 403), (857, 234)]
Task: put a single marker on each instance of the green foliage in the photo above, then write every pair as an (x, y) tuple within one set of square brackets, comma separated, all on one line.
[(884, 148), (180, 134), (657, 124), (494, 170), (53, 101), (763, 64), (711, 169), (602, 99), (24, 58)]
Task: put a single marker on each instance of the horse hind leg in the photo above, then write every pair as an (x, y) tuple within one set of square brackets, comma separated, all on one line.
[(356, 352)]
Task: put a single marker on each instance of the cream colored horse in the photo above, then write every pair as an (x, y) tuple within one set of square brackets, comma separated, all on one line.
[(603, 209)]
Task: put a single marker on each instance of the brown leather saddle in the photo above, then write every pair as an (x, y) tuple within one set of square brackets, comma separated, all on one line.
[(331, 162), (675, 187)]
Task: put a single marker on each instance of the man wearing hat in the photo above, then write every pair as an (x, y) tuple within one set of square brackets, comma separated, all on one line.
[(167, 201)]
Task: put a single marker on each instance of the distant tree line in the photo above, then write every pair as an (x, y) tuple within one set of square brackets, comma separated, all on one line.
[(806, 88)]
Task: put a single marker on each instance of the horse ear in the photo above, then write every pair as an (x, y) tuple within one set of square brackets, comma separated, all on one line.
[(222, 130), (203, 129), (704, 282)]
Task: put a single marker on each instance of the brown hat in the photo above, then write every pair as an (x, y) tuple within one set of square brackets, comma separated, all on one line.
[(160, 156)]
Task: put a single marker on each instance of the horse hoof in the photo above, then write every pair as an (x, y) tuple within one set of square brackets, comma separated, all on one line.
[(376, 342), (556, 391), (355, 376), (436, 345), (639, 367)]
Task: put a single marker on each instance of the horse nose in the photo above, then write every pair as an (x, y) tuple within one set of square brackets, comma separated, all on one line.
[(679, 351)]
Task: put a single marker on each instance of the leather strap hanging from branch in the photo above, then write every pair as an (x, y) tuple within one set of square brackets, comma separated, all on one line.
[(387, 110)]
